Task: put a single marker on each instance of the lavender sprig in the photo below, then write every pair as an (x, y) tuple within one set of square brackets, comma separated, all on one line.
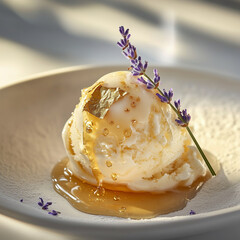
[(139, 69)]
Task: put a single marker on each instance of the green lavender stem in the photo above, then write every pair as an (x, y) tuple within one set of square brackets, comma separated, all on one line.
[(188, 129), (201, 152)]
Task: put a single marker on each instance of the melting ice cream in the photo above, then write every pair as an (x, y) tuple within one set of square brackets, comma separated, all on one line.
[(122, 137)]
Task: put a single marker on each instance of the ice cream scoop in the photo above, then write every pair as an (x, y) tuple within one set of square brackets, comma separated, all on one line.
[(121, 136)]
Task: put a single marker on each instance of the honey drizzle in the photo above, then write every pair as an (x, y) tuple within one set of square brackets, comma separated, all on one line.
[(89, 142), (69, 143), (136, 205), (90, 135)]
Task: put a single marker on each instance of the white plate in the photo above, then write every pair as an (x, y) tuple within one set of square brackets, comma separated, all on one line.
[(32, 115)]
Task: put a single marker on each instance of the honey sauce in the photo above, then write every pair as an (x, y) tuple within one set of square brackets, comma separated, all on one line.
[(136, 205)]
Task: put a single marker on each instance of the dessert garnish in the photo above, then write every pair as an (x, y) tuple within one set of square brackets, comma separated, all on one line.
[(139, 69), (102, 99), (45, 206), (54, 213), (192, 212), (128, 147)]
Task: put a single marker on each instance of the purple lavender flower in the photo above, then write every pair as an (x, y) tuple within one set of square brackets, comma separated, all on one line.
[(41, 202), (177, 104), (142, 80), (54, 213), (156, 76), (45, 207), (123, 43), (138, 68), (148, 84), (130, 52), (192, 212), (123, 32), (162, 98), (185, 119), (167, 96)]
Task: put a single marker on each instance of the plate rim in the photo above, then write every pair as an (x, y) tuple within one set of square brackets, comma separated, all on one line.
[(76, 68)]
